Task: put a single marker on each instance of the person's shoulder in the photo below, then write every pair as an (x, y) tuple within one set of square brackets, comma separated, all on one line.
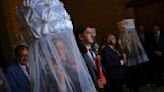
[(106, 48), (11, 65)]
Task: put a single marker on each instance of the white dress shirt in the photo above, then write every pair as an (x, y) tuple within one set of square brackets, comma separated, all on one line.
[(91, 55), (23, 67)]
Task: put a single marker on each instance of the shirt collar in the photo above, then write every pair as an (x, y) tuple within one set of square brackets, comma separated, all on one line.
[(88, 46), (111, 46), (24, 64)]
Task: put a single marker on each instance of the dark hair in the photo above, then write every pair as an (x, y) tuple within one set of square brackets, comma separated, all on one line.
[(80, 30), (109, 34), (18, 49)]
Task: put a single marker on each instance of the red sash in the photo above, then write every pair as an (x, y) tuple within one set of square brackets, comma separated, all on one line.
[(99, 71)]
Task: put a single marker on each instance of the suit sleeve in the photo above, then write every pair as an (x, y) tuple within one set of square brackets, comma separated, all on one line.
[(12, 80)]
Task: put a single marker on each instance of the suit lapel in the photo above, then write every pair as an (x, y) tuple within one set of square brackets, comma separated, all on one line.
[(22, 72), (88, 60), (114, 51)]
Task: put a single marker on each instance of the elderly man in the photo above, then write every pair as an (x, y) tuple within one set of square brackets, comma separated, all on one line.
[(17, 72)]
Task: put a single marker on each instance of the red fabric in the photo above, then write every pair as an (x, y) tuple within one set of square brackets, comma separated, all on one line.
[(100, 72), (99, 69)]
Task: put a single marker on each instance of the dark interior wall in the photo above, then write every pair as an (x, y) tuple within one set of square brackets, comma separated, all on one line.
[(5, 49), (150, 13), (100, 14), (9, 27)]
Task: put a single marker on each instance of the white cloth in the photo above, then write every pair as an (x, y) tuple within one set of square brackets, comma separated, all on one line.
[(131, 43), (55, 62), (46, 16)]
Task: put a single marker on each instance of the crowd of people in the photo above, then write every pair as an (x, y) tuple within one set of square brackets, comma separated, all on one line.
[(118, 66)]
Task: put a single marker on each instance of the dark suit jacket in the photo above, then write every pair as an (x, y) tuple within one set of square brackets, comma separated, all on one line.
[(93, 72), (146, 41), (17, 79), (91, 67), (112, 65), (154, 46)]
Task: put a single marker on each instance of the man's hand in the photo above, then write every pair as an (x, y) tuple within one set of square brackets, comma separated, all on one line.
[(99, 83)]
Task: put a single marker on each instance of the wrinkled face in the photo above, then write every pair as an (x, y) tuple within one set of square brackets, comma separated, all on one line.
[(61, 50), (87, 36), (23, 56), (111, 39), (156, 28)]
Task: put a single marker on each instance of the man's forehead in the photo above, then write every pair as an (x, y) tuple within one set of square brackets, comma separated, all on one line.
[(24, 50), (89, 30)]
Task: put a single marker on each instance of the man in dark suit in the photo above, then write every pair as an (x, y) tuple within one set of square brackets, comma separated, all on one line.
[(145, 39), (146, 69), (17, 72), (157, 52), (85, 41), (112, 63), (143, 36)]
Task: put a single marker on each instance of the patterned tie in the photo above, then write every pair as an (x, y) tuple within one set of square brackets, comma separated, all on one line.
[(27, 68)]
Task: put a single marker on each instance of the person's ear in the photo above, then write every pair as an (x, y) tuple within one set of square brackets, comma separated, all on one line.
[(80, 36)]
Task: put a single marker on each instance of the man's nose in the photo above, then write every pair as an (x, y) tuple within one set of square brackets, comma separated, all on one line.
[(25, 57)]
